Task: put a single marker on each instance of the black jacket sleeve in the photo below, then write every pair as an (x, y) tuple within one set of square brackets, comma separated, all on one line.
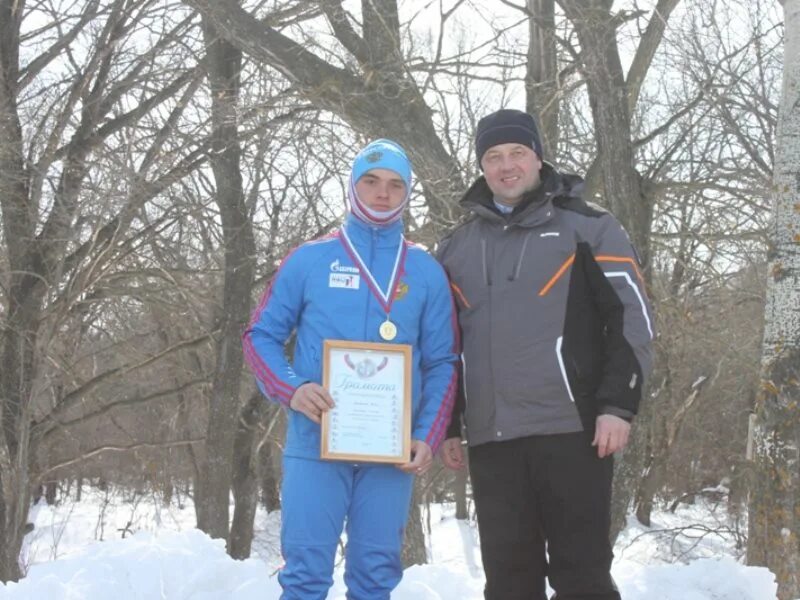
[(620, 297)]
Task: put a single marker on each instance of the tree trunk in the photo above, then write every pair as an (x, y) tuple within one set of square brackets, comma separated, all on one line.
[(51, 492), (270, 477), (541, 78), (24, 293), (13, 516), (774, 539), (245, 480), (15, 483), (460, 493), (636, 471), (270, 459), (224, 70), (652, 481), (414, 551), (663, 437), (628, 469)]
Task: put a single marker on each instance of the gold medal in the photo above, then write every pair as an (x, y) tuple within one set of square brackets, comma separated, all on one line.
[(388, 330)]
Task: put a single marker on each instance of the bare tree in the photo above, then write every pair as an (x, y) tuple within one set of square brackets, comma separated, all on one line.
[(58, 243), (224, 64), (775, 495)]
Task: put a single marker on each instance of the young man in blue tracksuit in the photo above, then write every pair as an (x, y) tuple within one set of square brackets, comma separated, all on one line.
[(364, 283)]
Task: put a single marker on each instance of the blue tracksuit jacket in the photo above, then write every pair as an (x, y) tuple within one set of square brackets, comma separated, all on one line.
[(319, 292)]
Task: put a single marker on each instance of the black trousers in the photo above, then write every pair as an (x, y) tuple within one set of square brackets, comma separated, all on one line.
[(543, 505)]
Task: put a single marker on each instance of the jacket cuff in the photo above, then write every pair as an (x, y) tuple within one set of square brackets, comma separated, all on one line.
[(295, 382), (616, 411)]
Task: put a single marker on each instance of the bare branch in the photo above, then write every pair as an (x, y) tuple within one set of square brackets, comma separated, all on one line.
[(74, 397), (53, 427), (29, 73), (343, 30), (41, 475), (646, 50)]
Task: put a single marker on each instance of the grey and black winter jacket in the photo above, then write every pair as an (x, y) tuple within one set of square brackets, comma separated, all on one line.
[(555, 324)]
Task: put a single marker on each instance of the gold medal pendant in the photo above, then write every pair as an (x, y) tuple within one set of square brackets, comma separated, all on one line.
[(388, 330)]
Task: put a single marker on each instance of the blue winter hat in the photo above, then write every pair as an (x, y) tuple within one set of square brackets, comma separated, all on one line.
[(382, 154)]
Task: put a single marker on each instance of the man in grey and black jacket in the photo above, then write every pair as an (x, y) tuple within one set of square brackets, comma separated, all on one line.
[(556, 333)]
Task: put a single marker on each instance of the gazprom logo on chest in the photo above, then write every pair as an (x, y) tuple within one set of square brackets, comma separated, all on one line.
[(344, 276), (336, 267)]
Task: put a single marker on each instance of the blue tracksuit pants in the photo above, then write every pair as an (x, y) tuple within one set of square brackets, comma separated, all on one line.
[(317, 496)]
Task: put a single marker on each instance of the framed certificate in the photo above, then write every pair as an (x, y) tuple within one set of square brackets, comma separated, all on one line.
[(371, 386)]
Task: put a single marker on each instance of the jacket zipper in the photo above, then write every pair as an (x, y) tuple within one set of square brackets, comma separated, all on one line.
[(486, 277), (514, 275)]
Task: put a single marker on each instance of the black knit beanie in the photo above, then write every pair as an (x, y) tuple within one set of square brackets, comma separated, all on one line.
[(507, 126)]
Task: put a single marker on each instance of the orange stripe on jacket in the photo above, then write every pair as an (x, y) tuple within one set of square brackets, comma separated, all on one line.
[(559, 273), (460, 294), (627, 259), (571, 259)]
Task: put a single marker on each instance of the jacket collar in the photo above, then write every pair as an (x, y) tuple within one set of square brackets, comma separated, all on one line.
[(362, 233), (536, 206)]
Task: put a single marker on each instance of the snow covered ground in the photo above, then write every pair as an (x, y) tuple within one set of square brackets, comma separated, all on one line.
[(131, 547)]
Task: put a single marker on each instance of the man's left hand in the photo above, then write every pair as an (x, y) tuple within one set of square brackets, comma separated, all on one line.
[(421, 458), (611, 434)]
